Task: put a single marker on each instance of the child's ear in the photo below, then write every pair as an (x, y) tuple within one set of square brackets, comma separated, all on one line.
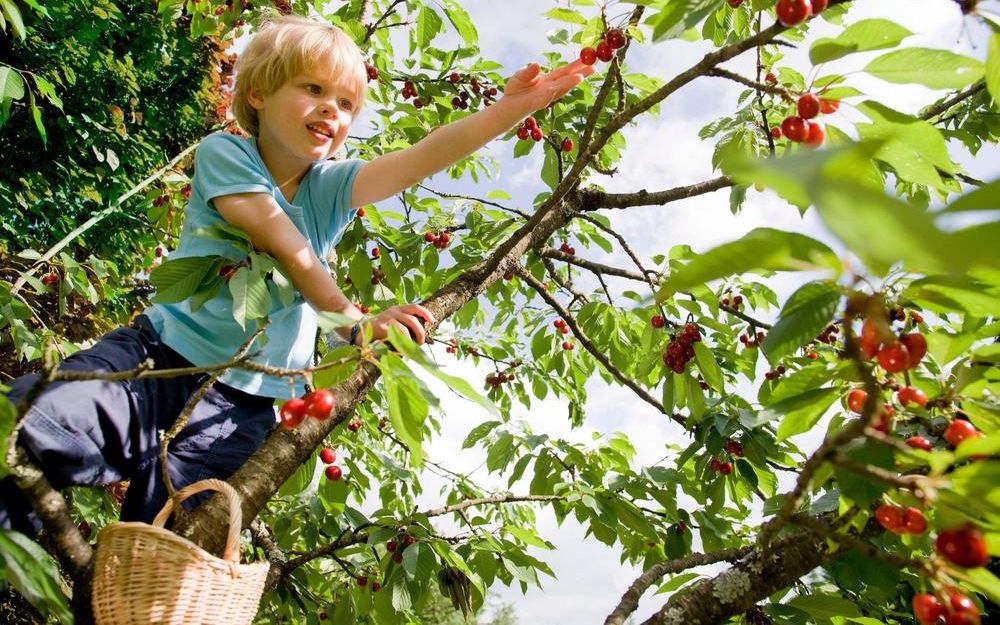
[(254, 98)]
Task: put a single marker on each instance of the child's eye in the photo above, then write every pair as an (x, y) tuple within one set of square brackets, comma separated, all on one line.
[(346, 104), (314, 89)]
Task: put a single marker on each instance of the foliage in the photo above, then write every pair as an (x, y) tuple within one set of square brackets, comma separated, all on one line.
[(887, 185)]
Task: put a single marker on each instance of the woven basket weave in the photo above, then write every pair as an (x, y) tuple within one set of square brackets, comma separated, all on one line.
[(145, 574)]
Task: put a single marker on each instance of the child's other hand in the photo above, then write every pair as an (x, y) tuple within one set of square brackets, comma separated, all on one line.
[(406, 318), (530, 89)]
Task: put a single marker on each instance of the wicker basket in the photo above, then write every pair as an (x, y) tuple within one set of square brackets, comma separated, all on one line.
[(146, 574)]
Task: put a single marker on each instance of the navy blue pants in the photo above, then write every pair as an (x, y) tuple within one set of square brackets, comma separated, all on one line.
[(96, 432)]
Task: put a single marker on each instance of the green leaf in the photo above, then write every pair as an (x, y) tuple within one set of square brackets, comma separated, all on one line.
[(177, 279), (428, 26), (871, 34), (407, 407), (478, 432), (985, 582), (566, 15), (14, 15), (31, 571), (822, 607), (11, 83), (798, 413), (986, 197), (8, 418), (36, 114), (335, 374), (805, 314), (460, 20), (993, 68), (760, 249), (708, 366), (914, 148), (937, 69), (678, 16)]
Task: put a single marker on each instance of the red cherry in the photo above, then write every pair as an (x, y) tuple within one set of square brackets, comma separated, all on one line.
[(567, 345), (890, 517), (815, 135), (376, 586), (959, 430), (962, 618), (397, 557), (792, 12), (333, 472), (523, 133), (883, 420), (604, 51), (588, 56), (567, 145), (323, 616), (808, 105), (715, 464), (408, 540), (735, 448), (963, 546), (293, 412), (868, 349), (894, 357), (734, 3), (354, 425), (375, 252), (914, 521), (856, 400), (362, 580), (726, 468), (818, 6), (445, 237), (961, 603), (770, 78), (564, 330), (795, 129), (919, 442), (319, 404), (429, 237), (828, 106), (909, 394), (327, 455), (927, 609), (536, 134), (615, 38), (390, 546), (530, 122), (361, 212), (916, 345), (454, 77), (658, 321), (775, 132), (559, 323)]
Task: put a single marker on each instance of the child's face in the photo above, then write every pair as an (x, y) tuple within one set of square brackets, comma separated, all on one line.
[(307, 119)]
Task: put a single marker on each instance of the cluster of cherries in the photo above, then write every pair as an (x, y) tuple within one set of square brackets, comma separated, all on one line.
[(528, 128), (735, 449), (775, 373), (828, 335), (681, 348), (560, 324), (329, 456), (51, 278), (900, 520), (438, 240), (800, 128), (362, 580), (568, 249), (318, 404), (963, 546), (896, 353), (495, 380), (735, 302), (792, 12), (396, 548), (613, 39), (752, 340)]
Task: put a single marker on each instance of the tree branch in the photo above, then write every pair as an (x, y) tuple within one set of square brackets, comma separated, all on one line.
[(593, 199)]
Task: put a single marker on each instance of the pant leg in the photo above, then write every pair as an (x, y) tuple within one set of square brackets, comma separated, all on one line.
[(224, 429)]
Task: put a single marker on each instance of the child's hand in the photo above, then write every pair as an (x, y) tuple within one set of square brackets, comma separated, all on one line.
[(531, 90), (406, 318)]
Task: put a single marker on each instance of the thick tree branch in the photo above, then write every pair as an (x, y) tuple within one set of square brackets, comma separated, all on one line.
[(593, 199)]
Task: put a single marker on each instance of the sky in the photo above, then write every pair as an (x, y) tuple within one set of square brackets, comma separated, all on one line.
[(663, 152)]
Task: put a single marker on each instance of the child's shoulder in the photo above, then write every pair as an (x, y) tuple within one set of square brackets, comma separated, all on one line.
[(225, 144)]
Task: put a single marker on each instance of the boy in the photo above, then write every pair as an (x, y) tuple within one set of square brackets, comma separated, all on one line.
[(299, 85)]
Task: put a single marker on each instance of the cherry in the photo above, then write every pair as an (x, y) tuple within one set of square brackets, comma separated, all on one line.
[(564, 330), (735, 448), (726, 468), (536, 134), (445, 237), (734, 3), (856, 400), (293, 412), (963, 546), (333, 472), (362, 580), (567, 145), (828, 106), (372, 71), (818, 6), (615, 38), (927, 609), (715, 464), (320, 403), (530, 122), (795, 129), (815, 135), (588, 56), (959, 430), (890, 517), (770, 78), (361, 212), (914, 521), (894, 357), (390, 546), (376, 586), (883, 421), (408, 540), (916, 345), (454, 77), (909, 394), (375, 252), (430, 237), (604, 51), (962, 618), (961, 603), (916, 317), (397, 557), (808, 105), (657, 321), (50, 278), (523, 133), (775, 132), (327, 455), (919, 442), (792, 12), (870, 332), (354, 425), (559, 323), (567, 345), (323, 616)]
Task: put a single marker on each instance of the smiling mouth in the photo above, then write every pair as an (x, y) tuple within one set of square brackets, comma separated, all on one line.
[(320, 130)]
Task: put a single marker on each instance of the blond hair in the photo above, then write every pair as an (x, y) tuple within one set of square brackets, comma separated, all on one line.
[(284, 47)]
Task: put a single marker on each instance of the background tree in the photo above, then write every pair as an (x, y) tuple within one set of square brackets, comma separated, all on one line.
[(888, 348)]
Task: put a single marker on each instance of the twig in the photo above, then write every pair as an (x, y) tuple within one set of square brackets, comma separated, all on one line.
[(592, 199)]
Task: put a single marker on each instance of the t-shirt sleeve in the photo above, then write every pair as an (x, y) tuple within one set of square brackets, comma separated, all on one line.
[(331, 197), (225, 164)]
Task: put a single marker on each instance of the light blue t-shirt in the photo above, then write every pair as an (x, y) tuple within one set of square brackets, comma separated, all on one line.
[(227, 164)]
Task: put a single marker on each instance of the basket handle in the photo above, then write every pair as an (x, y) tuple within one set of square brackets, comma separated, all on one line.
[(232, 550)]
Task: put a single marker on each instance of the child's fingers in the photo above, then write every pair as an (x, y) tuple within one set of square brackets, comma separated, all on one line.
[(411, 324), (419, 311)]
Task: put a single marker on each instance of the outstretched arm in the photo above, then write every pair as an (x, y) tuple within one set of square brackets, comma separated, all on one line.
[(526, 92)]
